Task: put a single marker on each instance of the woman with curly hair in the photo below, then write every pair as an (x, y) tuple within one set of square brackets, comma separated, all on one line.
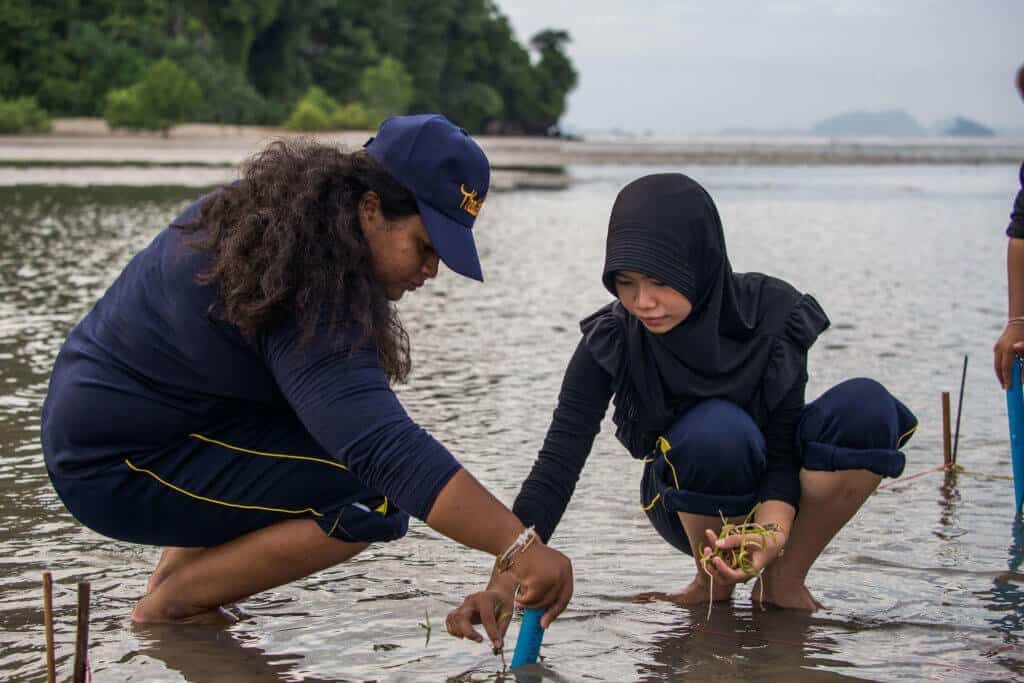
[(229, 397)]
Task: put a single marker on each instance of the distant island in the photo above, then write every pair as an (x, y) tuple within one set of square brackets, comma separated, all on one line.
[(895, 123), (960, 126), (892, 123)]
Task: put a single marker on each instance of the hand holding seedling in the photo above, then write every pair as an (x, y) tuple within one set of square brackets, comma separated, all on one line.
[(741, 552), (739, 557), (492, 608), (544, 577)]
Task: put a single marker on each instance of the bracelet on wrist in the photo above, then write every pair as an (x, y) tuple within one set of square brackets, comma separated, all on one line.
[(507, 559), (1019, 320)]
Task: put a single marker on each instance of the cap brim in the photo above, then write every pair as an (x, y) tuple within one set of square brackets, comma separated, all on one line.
[(452, 241)]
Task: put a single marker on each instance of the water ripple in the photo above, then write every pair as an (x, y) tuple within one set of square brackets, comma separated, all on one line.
[(926, 582)]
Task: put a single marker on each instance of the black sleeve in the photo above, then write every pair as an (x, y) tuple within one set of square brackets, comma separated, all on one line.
[(1016, 226), (781, 480), (582, 402)]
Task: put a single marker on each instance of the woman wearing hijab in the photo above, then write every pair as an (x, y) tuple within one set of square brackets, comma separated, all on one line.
[(706, 369), (229, 398)]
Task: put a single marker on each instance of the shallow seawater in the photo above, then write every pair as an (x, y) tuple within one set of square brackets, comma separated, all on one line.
[(924, 583)]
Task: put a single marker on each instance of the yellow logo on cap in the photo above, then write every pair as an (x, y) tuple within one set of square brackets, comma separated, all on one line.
[(470, 202)]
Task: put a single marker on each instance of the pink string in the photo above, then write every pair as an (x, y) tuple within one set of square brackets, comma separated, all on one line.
[(904, 480)]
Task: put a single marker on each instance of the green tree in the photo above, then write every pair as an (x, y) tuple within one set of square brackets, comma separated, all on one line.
[(555, 74), (124, 109), (28, 31), (387, 87), (227, 96), (477, 105), (308, 116), (313, 111), (355, 116), (170, 93), (85, 67), (23, 115), (165, 96), (253, 60)]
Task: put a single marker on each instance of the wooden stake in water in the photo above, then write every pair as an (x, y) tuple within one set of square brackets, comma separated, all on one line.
[(82, 635), (959, 407), (51, 667), (947, 448)]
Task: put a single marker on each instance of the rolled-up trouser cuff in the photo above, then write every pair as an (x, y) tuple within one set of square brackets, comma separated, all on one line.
[(708, 503), (856, 424), (827, 457), (358, 522)]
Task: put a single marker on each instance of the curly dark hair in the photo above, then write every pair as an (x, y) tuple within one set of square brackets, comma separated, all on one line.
[(285, 240)]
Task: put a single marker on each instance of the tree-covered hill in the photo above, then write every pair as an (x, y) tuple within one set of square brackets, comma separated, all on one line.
[(254, 61)]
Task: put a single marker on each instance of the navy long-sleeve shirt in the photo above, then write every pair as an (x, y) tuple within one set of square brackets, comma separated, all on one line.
[(148, 366), (582, 402), (1016, 226)]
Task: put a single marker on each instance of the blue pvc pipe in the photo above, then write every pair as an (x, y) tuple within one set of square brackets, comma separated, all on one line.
[(1015, 411), (529, 638)]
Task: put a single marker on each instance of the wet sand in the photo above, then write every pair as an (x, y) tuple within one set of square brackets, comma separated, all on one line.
[(86, 152)]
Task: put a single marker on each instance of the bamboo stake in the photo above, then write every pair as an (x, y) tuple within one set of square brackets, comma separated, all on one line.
[(81, 634), (51, 666), (947, 449), (959, 407)]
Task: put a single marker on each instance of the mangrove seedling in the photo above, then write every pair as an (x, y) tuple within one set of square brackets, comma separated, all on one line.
[(426, 627), (738, 558)]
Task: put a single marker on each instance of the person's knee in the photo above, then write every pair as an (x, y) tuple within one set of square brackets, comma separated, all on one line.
[(837, 487), (858, 413), (717, 448)]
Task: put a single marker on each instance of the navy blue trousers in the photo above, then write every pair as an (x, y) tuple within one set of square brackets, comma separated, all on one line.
[(215, 486), (717, 452)]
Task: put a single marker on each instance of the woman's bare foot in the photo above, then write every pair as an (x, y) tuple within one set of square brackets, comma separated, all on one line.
[(170, 560), (694, 594), (146, 612), (779, 591)]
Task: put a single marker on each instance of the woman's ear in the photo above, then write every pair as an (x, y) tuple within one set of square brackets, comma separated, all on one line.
[(370, 215)]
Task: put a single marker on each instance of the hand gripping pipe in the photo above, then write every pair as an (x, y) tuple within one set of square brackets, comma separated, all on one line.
[(531, 634)]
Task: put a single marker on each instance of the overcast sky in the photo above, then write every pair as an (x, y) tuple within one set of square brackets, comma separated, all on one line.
[(702, 65)]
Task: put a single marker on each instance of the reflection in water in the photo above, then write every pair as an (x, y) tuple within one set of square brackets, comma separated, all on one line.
[(913, 589), (745, 643), (1006, 598), (949, 502), (207, 653)]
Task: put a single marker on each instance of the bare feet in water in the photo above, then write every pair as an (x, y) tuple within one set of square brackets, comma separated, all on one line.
[(145, 612), (694, 594), (148, 611), (782, 593), (170, 560)]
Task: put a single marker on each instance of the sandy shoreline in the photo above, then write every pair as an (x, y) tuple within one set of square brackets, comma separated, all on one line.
[(85, 151)]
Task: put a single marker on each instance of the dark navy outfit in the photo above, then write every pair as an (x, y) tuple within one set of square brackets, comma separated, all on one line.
[(1016, 226), (164, 426), (714, 407)]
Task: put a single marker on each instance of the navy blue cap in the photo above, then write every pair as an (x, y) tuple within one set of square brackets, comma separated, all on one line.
[(449, 175)]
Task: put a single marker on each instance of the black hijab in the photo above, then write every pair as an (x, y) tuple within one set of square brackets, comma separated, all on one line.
[(745, 340)]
